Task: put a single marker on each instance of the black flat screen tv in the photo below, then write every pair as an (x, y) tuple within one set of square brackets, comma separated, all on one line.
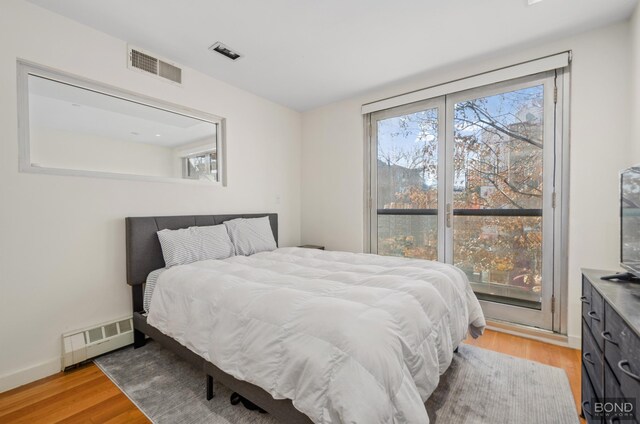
[(630, 220)]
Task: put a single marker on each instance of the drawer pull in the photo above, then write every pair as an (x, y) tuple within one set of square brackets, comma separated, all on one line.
[(614, 420), (587, 357), (624, 363), (583, 299), (607, 336), (585, 408), (593, 315)]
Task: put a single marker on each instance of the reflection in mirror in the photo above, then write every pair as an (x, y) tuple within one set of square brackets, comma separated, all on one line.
[(74, 128)]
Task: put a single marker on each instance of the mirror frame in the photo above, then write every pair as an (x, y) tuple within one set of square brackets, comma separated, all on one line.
[(26, 68)]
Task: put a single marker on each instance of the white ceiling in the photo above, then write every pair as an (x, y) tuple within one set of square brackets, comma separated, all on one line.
[(307, 53)]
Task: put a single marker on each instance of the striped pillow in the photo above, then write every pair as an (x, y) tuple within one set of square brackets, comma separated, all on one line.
[(193, 244), (149, 286), (251, 235)]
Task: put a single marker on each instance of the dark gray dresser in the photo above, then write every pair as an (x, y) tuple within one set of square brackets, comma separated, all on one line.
[(610, 347)]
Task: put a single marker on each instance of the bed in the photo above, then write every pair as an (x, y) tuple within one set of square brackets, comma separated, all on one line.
[(308, 335)]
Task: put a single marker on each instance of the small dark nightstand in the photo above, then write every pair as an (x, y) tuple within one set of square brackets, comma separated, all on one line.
[(312, 246)]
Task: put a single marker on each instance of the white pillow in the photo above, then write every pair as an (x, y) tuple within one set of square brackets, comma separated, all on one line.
[(193, 244), (251, 235)]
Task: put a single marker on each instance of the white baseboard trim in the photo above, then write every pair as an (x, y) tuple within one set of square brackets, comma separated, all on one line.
[(30, 374), (573, 342)]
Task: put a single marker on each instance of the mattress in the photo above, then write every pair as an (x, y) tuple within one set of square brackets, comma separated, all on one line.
[(347, 337)]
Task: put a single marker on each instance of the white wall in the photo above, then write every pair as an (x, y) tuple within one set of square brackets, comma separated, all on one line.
[(332, 152), (62, 252)]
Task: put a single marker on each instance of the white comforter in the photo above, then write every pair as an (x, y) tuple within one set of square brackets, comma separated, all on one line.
[(350, 338)]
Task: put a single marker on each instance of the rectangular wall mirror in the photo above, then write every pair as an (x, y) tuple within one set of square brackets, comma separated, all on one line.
[(73, 126)]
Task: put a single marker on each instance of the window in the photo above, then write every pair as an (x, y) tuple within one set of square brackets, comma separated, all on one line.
[(475, 178), (201, 166)]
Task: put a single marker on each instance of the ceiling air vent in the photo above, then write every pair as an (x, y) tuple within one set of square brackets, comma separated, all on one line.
[(141, 60), (144, 62), (225, 51), (170, 72)]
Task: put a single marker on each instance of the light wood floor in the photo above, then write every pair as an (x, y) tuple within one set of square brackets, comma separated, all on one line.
[(86, 395)]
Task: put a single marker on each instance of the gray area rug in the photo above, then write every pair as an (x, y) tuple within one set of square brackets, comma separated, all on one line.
[(481, 386)]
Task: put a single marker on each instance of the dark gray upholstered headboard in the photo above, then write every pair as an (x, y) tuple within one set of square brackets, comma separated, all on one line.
[(143, 248)]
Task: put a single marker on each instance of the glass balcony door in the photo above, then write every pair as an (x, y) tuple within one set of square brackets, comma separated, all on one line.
[(469, 179), (501, 221), (408, 167)]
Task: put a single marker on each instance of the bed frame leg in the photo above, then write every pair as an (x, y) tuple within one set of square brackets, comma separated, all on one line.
[(209, 387), (138, 339)]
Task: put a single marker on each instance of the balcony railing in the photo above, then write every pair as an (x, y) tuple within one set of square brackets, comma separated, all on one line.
[(464, 212)]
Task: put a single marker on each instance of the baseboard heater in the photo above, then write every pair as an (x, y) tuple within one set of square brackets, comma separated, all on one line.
[(83, 344)]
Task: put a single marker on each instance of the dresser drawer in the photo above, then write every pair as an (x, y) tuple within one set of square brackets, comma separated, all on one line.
[(611, 383), (586, 296), (593, 311), (597, 317), (612, 391), (588, 398), (622, 352), (592, 360)]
